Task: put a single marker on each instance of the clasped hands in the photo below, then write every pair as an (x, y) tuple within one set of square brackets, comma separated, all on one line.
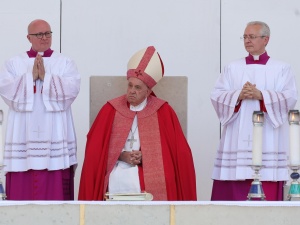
[(133, 157), (250, 91), (38, 71)]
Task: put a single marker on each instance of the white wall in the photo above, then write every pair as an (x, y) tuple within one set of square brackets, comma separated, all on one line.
[(102, 35)]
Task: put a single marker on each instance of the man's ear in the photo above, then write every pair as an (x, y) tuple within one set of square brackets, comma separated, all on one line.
[(28, 37), (267, 40)]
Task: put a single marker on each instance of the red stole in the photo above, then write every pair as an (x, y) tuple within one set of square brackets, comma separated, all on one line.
[(153, 168)]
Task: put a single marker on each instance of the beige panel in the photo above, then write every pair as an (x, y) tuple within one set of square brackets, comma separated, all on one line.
[(172, 89)]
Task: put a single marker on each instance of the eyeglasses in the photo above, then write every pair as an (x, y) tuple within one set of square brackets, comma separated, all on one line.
[(250, 37), (47, 34)]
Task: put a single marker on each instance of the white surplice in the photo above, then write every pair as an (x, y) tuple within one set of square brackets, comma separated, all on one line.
[(277, 84), (40, 131), (124, 177)]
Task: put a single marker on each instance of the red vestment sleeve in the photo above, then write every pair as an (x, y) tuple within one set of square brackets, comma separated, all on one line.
[(262, 106), (96, 152), (238, 106)]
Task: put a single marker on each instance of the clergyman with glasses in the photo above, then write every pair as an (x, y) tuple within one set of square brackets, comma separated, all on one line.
[(39, 87), (254, 83)]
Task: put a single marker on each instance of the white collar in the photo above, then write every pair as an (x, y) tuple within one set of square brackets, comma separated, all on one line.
[(256, 57), (139, 107)]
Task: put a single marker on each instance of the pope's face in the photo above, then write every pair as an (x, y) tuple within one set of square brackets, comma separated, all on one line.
[(254, 42), (137, 91), (39, 44)]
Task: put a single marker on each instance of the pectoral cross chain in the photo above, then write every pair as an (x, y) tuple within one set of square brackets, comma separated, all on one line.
[(132, 140)]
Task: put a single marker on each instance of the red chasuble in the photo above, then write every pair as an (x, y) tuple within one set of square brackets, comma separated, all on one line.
[(168, 168)]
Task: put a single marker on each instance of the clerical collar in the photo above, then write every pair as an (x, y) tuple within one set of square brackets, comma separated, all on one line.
[(139, 107), (258, 59), (32, 54)]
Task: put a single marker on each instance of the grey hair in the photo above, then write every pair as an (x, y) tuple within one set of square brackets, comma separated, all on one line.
[(265, 30)]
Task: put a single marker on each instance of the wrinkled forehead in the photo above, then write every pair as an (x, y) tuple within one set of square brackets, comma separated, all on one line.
[(136, 81)]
